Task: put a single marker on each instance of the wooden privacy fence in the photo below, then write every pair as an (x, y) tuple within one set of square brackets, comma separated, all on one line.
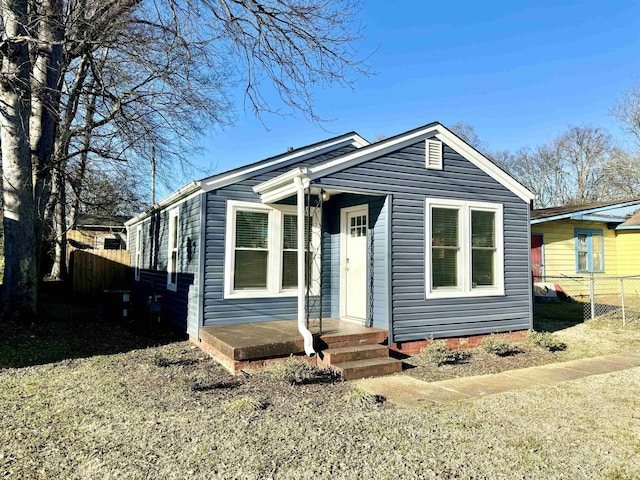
[(94, 271)]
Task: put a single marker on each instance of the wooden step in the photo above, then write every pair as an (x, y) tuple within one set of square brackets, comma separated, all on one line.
[(332, 356), (372, 367)]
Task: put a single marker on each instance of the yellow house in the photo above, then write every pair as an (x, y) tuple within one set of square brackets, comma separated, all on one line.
[(573, 242)]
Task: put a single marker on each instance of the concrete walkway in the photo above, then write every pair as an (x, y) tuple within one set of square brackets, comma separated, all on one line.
[(413, 393)]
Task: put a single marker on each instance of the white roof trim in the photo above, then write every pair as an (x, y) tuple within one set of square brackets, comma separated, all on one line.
[(434, 130), (189, 190), (375, 150), (483, 163), (282, 186), (279, 180), (354, 139)]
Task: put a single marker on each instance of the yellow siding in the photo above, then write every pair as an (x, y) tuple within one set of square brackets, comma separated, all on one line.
[(628, 243), (560, 247)]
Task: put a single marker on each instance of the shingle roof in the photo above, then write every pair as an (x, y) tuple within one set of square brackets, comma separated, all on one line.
[(90, 220), (553, 211), (633, 220)]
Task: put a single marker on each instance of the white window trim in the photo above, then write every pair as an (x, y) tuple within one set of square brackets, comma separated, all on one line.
[(274, 246), (170, 285), (465, 287), (138, 261)]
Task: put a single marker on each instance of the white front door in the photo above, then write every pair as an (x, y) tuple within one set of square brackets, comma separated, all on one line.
[(355, 223)]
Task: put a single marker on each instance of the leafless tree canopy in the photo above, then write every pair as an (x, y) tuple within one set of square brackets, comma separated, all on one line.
[(90, 86)]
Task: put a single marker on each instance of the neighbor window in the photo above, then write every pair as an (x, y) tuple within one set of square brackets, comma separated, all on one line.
[(262, 249), (464, 249), (172, 267), (589, 250), (138, 264)]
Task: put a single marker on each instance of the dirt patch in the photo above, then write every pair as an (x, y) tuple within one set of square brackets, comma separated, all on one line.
[(591, 338), (137, 411), (478, 362)]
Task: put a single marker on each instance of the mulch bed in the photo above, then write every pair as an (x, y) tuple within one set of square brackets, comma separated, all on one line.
[(478, 362)]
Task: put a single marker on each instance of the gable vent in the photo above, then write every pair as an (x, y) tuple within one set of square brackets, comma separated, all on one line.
[(434, 154)]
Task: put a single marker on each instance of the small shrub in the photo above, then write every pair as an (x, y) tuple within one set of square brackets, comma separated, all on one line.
[(546, 340), (360, 398), (498, 346), (296, 372), (246, 405), (160, 360), (439, 353)]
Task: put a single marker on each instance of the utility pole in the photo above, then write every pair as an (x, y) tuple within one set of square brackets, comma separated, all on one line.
[(153, 175)]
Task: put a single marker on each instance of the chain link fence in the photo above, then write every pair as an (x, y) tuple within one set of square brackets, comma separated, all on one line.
[(617, 298)]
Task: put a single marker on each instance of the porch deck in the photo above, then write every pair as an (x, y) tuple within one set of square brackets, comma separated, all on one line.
[(264, 340)]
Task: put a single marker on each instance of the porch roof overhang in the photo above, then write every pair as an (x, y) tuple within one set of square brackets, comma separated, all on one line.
[(282, 186)]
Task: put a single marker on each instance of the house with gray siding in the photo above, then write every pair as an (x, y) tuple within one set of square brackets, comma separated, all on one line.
[(414, 237)]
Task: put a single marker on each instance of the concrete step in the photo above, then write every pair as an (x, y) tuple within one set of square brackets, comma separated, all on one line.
[(369, 336), (332, 356), (372, 367)]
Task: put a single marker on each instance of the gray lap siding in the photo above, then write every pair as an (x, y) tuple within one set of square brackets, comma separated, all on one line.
[(217, 309), (180, 307), (403, 175), (376, 291)]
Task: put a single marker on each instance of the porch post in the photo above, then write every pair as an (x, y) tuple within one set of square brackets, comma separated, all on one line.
[(304, 331)]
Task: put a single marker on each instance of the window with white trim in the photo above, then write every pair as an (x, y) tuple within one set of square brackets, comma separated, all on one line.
[(138, 264), (589, 250), (172, 265), (464, 255), (261, 257)]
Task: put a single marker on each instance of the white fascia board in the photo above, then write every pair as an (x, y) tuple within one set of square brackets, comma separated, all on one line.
[(484, 164), (278, 194), (356, 140), (401, 141), (373, 151), (280, 180), (190, 190)]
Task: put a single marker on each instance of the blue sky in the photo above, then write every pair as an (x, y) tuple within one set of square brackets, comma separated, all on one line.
[(519, 72)]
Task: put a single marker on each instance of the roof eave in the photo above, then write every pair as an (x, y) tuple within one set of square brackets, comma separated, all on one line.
[(583, 213), (183, 192), (218, 181), (428, 131)]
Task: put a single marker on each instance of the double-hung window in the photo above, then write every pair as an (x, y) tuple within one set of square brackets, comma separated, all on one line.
[(464, 254), (261, 258), (589, 250), (172, 266), (138, 264), (251, 250)]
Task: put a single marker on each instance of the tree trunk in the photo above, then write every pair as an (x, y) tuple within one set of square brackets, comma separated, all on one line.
[(59, 178), (59, 268), (20, 273), (45, 101), (90, 107)]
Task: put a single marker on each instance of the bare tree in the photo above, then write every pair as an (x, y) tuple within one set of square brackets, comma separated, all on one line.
[(627, 111), (583, 152), (467, 132), (20, 273), (140, 60)]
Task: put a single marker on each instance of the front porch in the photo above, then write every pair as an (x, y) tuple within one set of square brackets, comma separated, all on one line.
[(354, 350)]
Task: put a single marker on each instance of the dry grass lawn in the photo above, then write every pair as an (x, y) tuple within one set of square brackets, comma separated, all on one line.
[(170, 412)]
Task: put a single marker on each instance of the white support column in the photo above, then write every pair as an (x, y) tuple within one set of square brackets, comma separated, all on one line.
[(304, 331)]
